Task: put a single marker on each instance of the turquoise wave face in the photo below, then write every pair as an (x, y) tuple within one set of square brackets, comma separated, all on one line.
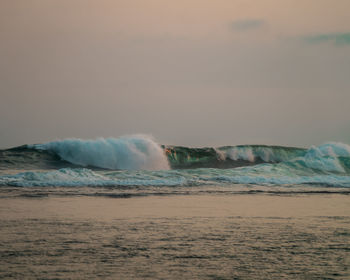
[(229, 156)]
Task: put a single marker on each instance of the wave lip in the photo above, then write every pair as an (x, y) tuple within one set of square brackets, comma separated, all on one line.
[(138, 152)]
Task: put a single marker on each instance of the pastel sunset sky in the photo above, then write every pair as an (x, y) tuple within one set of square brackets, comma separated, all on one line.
[(194, 72)]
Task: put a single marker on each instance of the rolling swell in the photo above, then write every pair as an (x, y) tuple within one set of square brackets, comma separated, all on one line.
[(143, 153), (138, 153), (25, 157), (99, 163), (229, 156)]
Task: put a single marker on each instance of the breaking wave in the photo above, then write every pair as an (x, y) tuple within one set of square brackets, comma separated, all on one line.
[(140, 161), (130, 152)]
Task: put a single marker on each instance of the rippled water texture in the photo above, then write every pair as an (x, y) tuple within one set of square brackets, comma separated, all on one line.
[(192, 237)]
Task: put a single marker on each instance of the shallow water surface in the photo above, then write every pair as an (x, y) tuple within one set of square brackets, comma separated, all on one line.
[(189, 237)]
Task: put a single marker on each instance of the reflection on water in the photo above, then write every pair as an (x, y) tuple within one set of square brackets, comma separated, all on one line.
[(173, 247)]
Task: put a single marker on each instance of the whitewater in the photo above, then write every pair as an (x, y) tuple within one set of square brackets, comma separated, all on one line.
[(138, 165)]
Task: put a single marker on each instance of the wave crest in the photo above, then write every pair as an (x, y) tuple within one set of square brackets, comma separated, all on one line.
[(138, 152)]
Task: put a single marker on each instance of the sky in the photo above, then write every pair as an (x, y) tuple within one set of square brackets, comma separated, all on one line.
[(188, 72)]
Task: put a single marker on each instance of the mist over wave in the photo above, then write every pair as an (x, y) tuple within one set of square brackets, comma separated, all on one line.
[(139, 152)]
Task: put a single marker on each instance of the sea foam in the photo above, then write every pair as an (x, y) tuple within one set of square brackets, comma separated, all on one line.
[(137, 152)]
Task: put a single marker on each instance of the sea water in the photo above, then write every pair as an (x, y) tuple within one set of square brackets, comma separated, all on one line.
[(129, 208)]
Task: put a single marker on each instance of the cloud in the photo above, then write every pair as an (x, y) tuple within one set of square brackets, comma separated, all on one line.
[(247, 24), (335, 38)]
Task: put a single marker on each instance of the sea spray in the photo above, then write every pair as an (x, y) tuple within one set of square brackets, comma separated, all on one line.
[(138, 152)]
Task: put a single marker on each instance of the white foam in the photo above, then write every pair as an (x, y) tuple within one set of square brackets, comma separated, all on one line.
[(326, 157), (331, 149), (251, 154), (138, 152), (329, 180), (245, 153), (80, 177), (264, 174)]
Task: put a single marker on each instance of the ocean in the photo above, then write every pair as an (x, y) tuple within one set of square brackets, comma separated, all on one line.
[(130, 208)]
